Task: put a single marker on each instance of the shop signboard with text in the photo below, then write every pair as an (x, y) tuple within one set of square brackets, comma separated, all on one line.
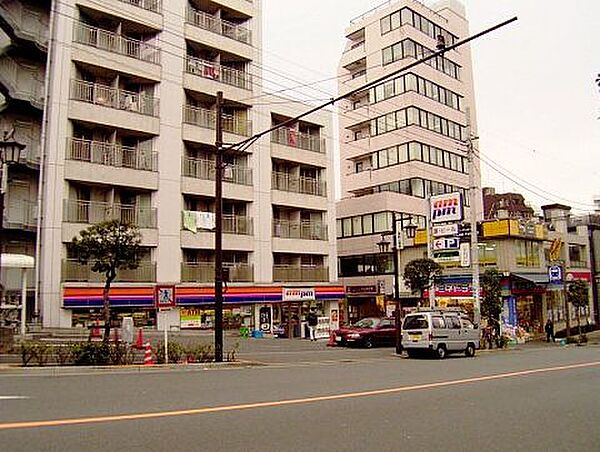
[(298, 294), (446, 208)]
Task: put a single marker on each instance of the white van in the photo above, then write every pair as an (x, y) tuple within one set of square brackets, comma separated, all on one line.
[(439, 331)]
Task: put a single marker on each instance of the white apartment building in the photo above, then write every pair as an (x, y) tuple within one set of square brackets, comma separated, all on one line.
[(401, 141), (120, 95)]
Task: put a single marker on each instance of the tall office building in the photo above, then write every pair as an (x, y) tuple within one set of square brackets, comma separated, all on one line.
[(401, 141), (115, 100)]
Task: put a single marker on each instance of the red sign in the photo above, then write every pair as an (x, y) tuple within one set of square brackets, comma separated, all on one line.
[(584, 275)]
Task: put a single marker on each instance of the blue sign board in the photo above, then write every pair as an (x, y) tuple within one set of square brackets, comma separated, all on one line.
[(555, 274)]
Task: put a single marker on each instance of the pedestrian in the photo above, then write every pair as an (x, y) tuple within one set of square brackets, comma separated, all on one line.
[(312, 321), (549, 328)]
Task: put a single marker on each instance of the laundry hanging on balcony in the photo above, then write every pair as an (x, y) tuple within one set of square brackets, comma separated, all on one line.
[(189, 221)]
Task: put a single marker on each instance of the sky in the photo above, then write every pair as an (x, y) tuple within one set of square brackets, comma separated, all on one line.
[(538, 107)]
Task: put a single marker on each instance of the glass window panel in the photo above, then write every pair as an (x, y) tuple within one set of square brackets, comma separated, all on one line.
[(357, 226), (413, 116), (372, 98), (387, 55), (383, 158), (386, 25), (411, 82), (397, 51), (446, 159), (379, 93), (423, 118), (401, 118), (428, 191), (415, 151), (421, 85), (399, 85), (433, 156), (408, 48), (444, 127), (390, 120), (381, 125), (388, 89), (404, 186), (373, 127), (347, 227), (338, 228), (417, 187), (403, 153), (396, 20), (443, 96), (380, 222), (394, 187), (368, 224), (393, 155), (407, 16), (425, 150)]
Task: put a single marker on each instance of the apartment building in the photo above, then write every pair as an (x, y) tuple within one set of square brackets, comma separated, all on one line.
[(401, 141), (129, 133)]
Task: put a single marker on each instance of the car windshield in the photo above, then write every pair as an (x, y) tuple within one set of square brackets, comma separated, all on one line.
[(415, 322), (367, 323)]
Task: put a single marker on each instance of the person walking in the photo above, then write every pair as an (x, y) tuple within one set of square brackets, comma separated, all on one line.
[(549, 328), (312, 321)]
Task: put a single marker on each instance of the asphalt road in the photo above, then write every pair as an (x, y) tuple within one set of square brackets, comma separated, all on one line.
[(545, 398)]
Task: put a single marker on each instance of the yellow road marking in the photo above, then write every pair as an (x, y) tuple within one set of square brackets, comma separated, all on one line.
[(277, 403)]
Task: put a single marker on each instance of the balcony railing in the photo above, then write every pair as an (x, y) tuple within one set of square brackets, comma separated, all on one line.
[(20, 214), (222, 27), (293, 138), (305, 185), (111, 154), (205, 169), (90, 212), (218, 72), (207, 119), (73, 271), (305, 230), (106, 96), (204, 272), (115, 43), (149, 5), (234, 224), (22, 82), (296, 273)]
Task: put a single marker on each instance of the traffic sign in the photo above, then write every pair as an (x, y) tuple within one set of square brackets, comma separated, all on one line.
[(555, 274), (446, 243)]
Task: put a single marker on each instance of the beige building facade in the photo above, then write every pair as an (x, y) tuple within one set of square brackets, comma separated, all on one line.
[(401, 141), (128, 132)]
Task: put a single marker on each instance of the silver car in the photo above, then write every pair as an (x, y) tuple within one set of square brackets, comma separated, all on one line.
[(440, 332)]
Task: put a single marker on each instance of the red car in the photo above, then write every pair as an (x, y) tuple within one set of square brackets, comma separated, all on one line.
[(368, 332)]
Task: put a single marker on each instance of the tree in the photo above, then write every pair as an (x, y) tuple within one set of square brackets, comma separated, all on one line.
[(577, 295), (109, 246), (419, 274), (491, 303)]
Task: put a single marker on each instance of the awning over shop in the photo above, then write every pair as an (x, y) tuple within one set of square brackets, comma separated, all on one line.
[(536, 278)]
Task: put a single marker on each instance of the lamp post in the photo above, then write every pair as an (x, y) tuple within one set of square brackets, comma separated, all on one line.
[(10, 151), (397, 245)]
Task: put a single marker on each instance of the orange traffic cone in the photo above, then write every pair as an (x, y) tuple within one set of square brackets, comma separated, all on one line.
[(139, 341), (331, 342), (148, 360)]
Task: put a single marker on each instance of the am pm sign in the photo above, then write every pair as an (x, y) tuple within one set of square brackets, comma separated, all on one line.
[(446, 208)]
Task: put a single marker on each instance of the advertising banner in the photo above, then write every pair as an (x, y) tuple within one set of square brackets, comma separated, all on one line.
[(298, 294), (446, 208), (190, 318)]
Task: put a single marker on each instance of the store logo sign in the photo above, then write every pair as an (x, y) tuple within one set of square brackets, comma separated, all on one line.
[(446, 208), (298, 294)]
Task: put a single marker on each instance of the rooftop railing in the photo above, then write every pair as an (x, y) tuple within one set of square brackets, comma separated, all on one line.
[(219, 26), (111, 154), (115, 43)]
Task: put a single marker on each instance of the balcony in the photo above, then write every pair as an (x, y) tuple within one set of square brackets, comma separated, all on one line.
[(293, 184), (204, 272), (219, 26), (232, 224), (305, 230), (94, 93), (149, 5), (111, 154), (218, 72), (73, 271), (22, 82), (205, 169), (20, 214), (90, 212), (293, 138), (115, 43), (296, 273), (207, 119)]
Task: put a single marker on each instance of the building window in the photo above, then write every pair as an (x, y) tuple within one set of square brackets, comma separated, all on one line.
[(528, 253), (408, 48), (577, 256)]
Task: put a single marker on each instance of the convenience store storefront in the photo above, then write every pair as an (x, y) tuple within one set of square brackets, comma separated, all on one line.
[(255, 308)]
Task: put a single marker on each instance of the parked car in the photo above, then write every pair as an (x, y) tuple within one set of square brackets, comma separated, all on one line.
[(367, 332), (440, 332)]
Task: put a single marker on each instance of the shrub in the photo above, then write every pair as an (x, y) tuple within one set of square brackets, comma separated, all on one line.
[(121, 354), (231, 353), (175, 350), (34, 351), (91, 354), (200, 353)]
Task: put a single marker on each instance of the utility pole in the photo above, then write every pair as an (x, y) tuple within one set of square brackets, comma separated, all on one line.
[(430, 253), (396, 246), (219, 231), (473, 187)]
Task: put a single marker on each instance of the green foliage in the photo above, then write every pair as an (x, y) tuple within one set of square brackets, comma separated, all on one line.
[(175, 350), (577, 293), (200, 353), (419, 274), (34, 351), (109, 246), (91, 354), (491, 303)]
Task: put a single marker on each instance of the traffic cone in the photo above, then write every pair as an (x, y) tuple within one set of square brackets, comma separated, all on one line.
[(139, 341), (331, 342), (148, 360)]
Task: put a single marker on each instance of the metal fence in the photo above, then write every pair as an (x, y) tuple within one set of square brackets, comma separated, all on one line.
[(306, 230), (205, 169), (293, 138), (73, 271), (90, 212), (204, 272), (218, 72), (111, 154), (305, 185), (214, 24), (207, 119), (294, 273)]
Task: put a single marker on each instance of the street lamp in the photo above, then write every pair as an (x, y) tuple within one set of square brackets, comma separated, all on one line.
[(10, 152), (410, 230)]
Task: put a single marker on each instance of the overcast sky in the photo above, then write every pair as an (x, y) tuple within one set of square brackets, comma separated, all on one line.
[(538, 107)]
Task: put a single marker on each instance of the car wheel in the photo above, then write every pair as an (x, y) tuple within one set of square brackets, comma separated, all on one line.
[(441, 352), (470, 350), (368, 342)]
